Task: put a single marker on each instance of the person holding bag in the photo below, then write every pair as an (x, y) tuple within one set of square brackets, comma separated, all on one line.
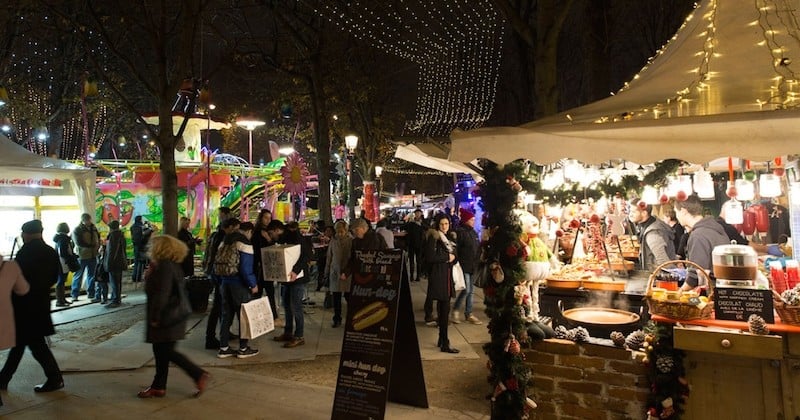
[(167, 311), (440, 253), (67, 258), (114, 262)]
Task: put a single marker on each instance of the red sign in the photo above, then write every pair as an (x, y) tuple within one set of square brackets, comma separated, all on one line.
[(31, 182)]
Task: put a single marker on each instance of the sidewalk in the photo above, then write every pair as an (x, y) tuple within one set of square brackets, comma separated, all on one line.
[(102, 380)]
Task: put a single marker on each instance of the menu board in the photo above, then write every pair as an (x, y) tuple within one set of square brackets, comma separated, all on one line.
[(378, 316), (737, 304)]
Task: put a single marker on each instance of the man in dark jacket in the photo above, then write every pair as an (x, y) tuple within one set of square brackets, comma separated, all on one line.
[(40, 266), (87, 240), (468, 251), (655, 236), (215, 314), (415, 241), (139, 257), (704, 234), (186, 236)]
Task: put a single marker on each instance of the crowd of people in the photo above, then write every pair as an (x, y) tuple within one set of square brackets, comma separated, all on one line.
[(231, 260)]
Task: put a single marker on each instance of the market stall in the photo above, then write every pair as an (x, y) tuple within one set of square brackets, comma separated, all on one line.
[(35, 186), (723, 87)]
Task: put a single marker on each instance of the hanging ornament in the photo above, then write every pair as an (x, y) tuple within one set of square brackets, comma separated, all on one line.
[(664, 199), (749, 175), (512, 345), (769, 185), (681, 195), (733, 211), (497, 272), (704, 185), (498, 389)]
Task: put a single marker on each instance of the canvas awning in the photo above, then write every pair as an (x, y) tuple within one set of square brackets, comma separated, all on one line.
[(724, 86), (434, 156)]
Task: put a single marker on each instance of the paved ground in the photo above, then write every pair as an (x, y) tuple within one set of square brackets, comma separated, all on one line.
[(102, 379)]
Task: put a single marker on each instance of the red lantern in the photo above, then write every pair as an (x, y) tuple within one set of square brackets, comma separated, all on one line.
[(664, 199), (762, 217), (748, 226)]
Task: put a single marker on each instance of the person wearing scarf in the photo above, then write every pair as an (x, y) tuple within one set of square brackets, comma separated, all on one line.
[(440, 253)]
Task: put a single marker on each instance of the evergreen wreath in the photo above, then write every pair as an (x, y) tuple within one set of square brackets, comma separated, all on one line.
[(666, 374), (508, 373)]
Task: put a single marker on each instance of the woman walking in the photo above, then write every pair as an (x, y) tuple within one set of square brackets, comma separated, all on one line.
[(337, 257), (162, 278), (440, 256)]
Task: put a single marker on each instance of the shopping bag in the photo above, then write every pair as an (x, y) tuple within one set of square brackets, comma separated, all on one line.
[(255, 318), (458, 278)]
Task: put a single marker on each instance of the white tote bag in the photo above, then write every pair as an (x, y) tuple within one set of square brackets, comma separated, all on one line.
[(458, 278), (255, 318)]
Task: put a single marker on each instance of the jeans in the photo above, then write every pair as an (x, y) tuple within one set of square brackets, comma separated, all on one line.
[(88, 266), (466, 293), (40, 352), (165, 353), (115, 281), (293, 308), (62, 279), (233, 296)]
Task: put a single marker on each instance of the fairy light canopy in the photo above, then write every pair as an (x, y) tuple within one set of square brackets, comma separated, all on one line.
[(457, 45), (724, 85)]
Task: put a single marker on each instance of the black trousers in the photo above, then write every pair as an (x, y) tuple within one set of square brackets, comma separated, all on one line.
[(165, 353), (444, 317), (40, 352), (337, 304), (215, 315)]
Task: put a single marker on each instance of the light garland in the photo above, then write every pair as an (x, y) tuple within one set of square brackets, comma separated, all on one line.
[(457, 45)]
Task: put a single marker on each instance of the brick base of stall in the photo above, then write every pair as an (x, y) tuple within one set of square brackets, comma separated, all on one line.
[(586, 381)]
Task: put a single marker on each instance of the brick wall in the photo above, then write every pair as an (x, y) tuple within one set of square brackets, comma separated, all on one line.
[(586, 381)]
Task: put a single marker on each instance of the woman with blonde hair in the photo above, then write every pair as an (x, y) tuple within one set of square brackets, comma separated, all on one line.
[(337, 257), (164, 283)]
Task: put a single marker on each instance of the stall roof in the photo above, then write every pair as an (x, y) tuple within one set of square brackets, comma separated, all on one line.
[(724, 85), (434, 156)]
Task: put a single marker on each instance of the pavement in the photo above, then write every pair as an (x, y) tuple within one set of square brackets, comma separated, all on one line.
[(102, 379)]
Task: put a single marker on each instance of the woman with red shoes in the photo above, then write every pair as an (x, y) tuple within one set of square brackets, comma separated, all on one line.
[(163, 283)]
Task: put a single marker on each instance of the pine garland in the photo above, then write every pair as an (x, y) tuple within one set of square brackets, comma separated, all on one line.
[(509, 375), (666, 374)]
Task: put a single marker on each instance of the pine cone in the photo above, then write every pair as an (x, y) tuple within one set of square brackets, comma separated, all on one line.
[(618, 338), (570, 335), (635, 340), (791, 296), (757, 325), (581, 334), (561, 332), (665, 364)]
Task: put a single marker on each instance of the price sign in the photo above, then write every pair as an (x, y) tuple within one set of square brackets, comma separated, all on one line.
[(735, 304)]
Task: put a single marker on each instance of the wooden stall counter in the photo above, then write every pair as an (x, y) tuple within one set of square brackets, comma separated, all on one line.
[(738, 375)]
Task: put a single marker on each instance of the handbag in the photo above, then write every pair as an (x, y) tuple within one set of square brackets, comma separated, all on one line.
[(72, 263), (255, 318), (459, 283), (178, 307), (480, 278)]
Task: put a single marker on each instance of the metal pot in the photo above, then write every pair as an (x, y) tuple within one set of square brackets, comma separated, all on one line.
[(734, 262), (600, 322)]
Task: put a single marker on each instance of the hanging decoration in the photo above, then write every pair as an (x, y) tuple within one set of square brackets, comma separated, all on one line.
[(509, 376), (295, 174), (669, 388)]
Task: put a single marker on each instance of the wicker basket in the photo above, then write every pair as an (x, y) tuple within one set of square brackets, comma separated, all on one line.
[(675, 309), (788, 314)]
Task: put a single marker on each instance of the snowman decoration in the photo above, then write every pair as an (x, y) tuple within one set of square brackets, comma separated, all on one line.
[(539, 262)]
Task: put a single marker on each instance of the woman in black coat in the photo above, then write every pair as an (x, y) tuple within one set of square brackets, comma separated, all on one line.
[(440, 254), (162, 276)]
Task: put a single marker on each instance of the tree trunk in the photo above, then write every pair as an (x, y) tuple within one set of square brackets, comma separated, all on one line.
[(321, 139), (169, 180)]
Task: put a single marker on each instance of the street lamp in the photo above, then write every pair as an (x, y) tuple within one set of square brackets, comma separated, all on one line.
[(378, 172), (351, 142), (250, 124)]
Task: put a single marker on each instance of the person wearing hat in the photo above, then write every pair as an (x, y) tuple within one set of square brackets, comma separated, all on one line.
[(468, 251), (40, 265), (115, 262)]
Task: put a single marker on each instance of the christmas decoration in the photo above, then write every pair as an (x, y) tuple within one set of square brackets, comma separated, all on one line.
[(295, 174), (581, 335), (561, 332), (618, 338), (757, 325), (509, 376), (668, 386), (635, 340)]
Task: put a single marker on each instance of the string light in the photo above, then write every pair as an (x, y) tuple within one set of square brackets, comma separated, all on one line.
[(456, 44)]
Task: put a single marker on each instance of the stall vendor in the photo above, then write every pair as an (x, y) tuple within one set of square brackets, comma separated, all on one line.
[(704, 234), (655, 236)]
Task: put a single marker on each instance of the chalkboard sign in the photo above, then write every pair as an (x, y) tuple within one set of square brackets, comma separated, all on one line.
[(735, 304), (378, 317)]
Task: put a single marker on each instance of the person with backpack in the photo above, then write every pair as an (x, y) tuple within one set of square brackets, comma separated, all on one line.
[(233, 264), (215, 314)]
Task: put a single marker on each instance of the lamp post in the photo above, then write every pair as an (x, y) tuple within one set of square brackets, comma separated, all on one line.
[(250, 124), (351, 142), (207, 209), (378, 172)]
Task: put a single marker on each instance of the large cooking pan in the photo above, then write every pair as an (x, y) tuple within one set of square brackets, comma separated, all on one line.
[(600, 322)]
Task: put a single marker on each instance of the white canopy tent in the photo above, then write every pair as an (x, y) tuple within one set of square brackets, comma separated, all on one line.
[(28, 174), (434, 156), (724, 85)]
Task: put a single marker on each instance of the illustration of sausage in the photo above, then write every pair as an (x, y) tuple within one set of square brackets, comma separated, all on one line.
[(370, 315)]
